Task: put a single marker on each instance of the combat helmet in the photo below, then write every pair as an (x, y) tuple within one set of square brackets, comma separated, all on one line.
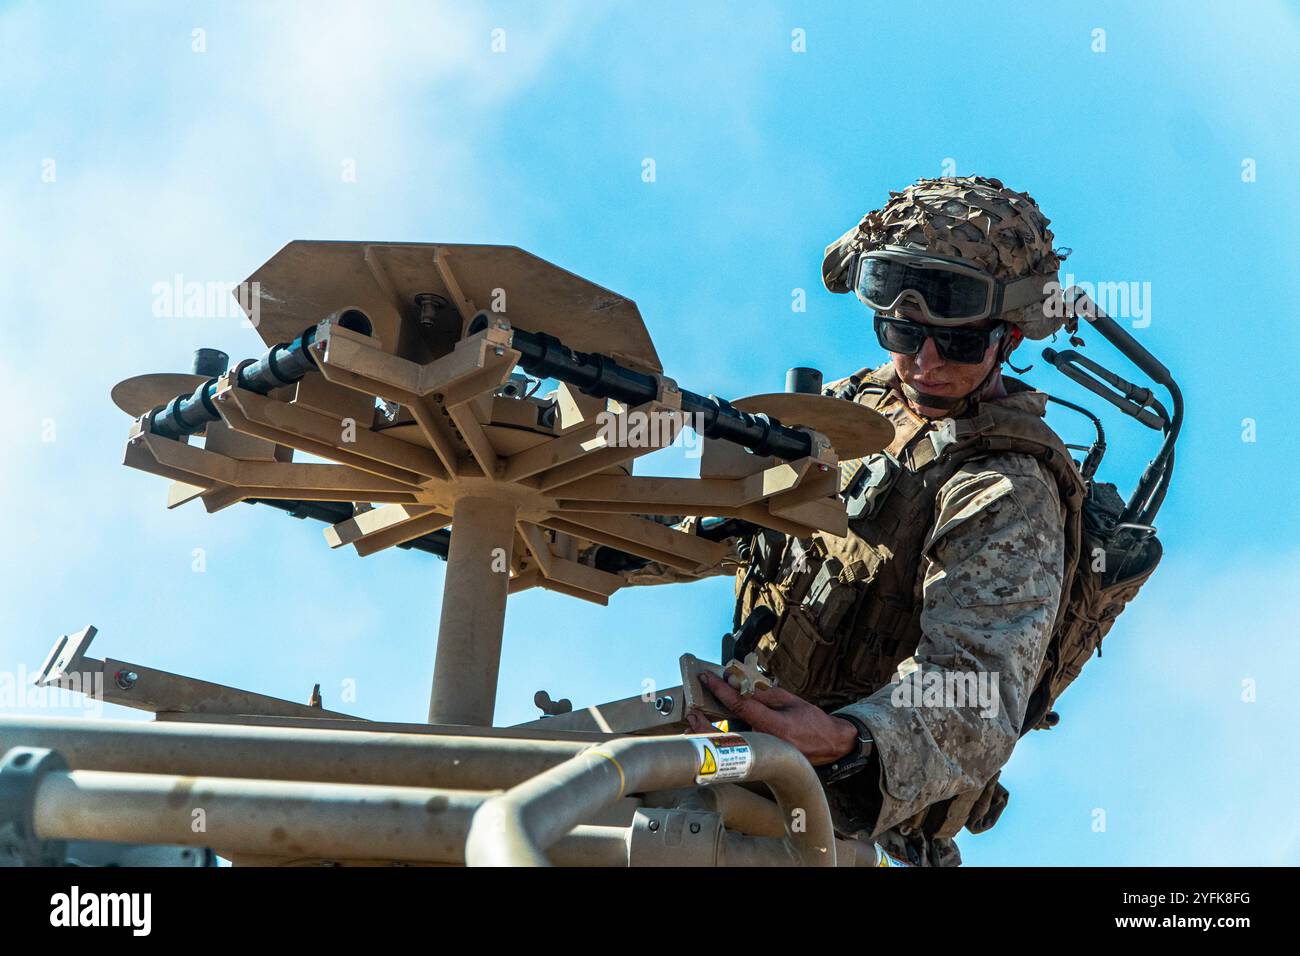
[(971, 220)]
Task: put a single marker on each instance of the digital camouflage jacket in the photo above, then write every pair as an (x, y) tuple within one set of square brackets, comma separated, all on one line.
[(930, 621)]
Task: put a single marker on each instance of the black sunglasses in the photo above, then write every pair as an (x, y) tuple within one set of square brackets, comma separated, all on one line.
[(963, 346)]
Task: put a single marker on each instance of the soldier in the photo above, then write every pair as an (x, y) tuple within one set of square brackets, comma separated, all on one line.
[(907, 651)]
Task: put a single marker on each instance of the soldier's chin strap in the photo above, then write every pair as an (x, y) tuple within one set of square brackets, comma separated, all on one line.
[(956, 407), (926, 400)]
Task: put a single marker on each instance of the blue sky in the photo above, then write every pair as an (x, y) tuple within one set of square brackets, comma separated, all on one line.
[(167, 160)]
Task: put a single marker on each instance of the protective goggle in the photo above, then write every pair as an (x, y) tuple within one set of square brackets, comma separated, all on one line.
[(946, 291), (963, 346)]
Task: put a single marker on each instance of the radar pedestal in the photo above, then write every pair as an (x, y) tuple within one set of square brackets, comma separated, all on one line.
[(473, 617)]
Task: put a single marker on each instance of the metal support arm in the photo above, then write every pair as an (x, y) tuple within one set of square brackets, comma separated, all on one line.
[(516, 828)]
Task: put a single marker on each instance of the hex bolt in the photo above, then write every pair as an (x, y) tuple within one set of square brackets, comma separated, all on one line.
[(695, 828), (664, 705), (126, 679)]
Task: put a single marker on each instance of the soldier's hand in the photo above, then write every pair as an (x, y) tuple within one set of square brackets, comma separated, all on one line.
[(819, 736)]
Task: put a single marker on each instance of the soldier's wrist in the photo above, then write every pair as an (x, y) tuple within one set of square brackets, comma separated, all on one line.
[(847, 737), (863, 745), (857, 758)]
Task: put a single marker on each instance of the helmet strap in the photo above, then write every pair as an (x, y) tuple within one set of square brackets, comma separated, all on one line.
[(926, 400)]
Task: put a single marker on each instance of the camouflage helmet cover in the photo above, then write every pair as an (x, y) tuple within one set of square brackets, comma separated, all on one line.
[(968, 217)]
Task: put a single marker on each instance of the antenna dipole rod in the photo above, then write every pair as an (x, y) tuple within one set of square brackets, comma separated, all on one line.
[(600, 376)]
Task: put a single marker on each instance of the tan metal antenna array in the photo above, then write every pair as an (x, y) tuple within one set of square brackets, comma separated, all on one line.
[(378, 366)]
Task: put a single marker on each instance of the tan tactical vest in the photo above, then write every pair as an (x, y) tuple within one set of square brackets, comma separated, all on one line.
[(849, 608)]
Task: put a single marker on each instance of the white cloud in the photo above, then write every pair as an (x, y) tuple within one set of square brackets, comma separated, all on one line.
[(233, 153)]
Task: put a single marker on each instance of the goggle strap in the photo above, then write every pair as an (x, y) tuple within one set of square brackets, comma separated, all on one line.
[(1029, 290)]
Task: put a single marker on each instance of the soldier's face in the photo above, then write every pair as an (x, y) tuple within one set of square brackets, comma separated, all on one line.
[(927, 371)]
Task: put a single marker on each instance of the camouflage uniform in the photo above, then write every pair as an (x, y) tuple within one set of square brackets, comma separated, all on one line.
[(996, 559), (963, 537), (986, 577), (990, 581)]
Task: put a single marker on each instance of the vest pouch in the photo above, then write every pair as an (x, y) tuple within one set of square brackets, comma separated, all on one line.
[(829, 598), (796, 654), (988, 808), (871, 485), (889, 632)]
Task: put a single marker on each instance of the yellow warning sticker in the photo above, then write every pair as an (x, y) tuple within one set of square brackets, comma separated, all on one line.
[(722, 758), (710, 764)]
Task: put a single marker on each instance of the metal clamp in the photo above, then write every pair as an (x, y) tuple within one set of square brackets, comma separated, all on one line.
[(670, 837), (21, 773)]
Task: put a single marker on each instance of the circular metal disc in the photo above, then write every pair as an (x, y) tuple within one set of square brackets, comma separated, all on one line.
[(137, 395), (853, 429)]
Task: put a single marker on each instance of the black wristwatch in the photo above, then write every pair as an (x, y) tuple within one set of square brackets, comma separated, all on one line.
[(855, 760)]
